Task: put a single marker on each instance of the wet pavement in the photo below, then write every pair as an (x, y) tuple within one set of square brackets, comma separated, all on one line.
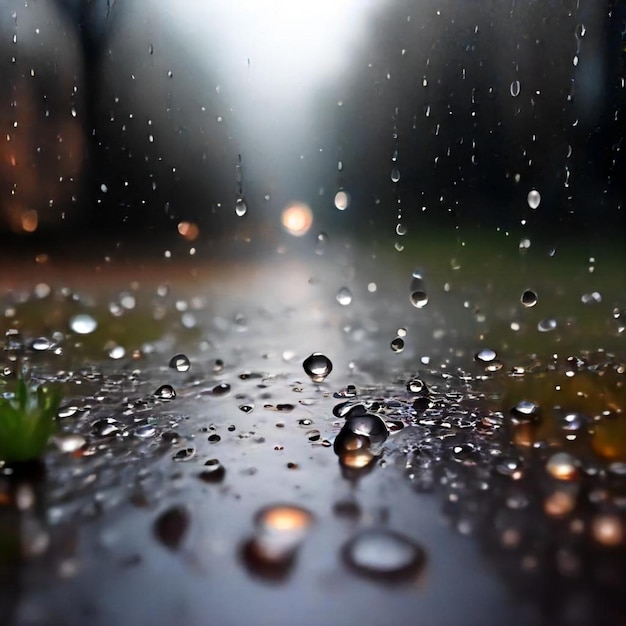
[(201, 474)]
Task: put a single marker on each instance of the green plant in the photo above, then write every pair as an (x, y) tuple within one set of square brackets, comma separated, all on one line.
[(27, 419)]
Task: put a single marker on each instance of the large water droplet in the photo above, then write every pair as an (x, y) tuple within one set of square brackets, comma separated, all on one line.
[(241, 208), (515, 88), (486, 355), (383, 554), (317, 366), (342, 200), (395, 175), (529, 298), (397, 344), (360, 440), (534, 198), (344, 296), (526, 411), (83, 324), (180, 363), (418, 295), (165, 392)]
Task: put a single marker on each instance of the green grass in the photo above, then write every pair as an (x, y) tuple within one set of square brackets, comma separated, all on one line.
[(27, 420)]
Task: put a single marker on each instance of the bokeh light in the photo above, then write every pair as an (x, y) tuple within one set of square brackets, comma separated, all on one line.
[(297, 219)]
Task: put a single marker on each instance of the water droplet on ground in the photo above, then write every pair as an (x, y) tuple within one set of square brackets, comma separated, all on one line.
[(165, 392), (180, 363), (486, 355), (384, 554)]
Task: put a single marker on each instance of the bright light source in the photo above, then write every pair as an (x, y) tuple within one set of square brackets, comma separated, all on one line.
[(297, 219)]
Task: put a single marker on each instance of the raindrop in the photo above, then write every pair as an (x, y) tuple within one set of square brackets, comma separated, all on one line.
[(321, 243), (515, 88), (534, 198), (418, 295), (529, 298), (221, 389), (145, 431), (342, 200), (41, 344), (165, 392), (395, 175), (546, 325), (83, 324), (416, 385), (171, 526), (317, 366), (344, 296), (185, 454), (180, 363), (213, 472), (487, 355), (574, 421), (383, 554), (241, 208), (106, 427), (116, 352), (360, 440), (526, 411), (397, 344)]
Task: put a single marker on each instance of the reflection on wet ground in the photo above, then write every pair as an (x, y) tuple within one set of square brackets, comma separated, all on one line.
[(238, 447)]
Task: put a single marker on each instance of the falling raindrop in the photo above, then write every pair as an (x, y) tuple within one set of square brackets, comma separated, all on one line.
[(317, 366), (344, 296), (395, 175), (418, 295), (515, 88), (321, 243), (529, 298), (534, 198), (383, 554), (180, 363), (342, 200), (241, 208)]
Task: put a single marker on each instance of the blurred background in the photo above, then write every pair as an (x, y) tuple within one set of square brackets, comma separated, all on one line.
[(143, 125)]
